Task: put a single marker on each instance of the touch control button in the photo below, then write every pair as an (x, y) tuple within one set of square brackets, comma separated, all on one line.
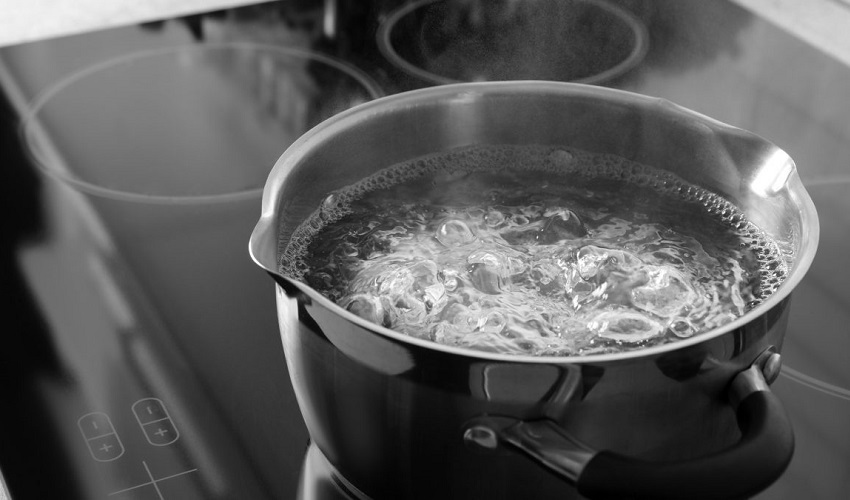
[(155, 421), (106, 448), (95, 425), (160, 433), (149, 410), (101, 438)]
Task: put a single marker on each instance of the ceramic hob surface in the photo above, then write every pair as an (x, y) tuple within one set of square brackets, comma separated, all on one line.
[(143, 360)]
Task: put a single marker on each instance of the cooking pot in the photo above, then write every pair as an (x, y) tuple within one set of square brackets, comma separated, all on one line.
[(398, 417)]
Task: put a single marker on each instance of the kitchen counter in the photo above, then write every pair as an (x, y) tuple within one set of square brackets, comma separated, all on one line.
[(30, 20)]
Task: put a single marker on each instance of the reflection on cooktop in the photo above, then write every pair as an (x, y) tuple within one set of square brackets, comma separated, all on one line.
[(817, 342), (815, 380)]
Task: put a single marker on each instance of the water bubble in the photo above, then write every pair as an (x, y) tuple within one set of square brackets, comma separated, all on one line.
[(424, 271), (557, 226), (670, 256), (331, 207), (625, 326), (367, 307), (490, 270), (454, 233), (494, 323), (525, 234), (426, 286), (409, 290), (476, 213), (548, 277), (494, 218), (567, 327), (460, 317), (487, 279), (491, 259), (561, 224), (393, 280), (530, 210), (520, 220), (591, 259), (506, 260), (450, 278), (407, 310), (347, 249), (681, 328), (581, 288), (665, 293)]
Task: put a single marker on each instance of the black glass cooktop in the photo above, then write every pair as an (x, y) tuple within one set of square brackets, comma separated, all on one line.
[(142, 359)]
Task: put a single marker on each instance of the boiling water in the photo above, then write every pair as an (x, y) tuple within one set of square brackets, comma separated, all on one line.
[(534, 250)]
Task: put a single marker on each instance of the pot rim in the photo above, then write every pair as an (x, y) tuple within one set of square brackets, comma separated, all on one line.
[(266, 230)]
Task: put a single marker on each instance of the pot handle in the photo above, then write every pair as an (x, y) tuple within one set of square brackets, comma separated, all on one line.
[(740, 471)]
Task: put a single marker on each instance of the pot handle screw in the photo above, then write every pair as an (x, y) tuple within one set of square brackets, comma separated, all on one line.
[(761, 373), (481, 436)]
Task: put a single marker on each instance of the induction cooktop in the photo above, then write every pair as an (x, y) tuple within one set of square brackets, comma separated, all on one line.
[(143, 361)]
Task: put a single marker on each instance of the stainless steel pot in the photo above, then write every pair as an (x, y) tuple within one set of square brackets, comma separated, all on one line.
[(399, 417)]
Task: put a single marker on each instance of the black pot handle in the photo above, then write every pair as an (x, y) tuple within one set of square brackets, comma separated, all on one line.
[(740, 471)]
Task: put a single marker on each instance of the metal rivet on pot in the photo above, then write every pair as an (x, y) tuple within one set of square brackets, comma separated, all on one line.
[(771, 367), (481, 436)]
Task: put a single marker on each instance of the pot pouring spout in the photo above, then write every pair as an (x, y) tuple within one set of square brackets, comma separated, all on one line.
[(262, 245)]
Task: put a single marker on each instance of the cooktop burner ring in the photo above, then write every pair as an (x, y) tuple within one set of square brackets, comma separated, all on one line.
[(627, 44), (274, 78)]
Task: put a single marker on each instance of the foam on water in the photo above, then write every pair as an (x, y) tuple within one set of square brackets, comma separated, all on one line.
[(534, 250)]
